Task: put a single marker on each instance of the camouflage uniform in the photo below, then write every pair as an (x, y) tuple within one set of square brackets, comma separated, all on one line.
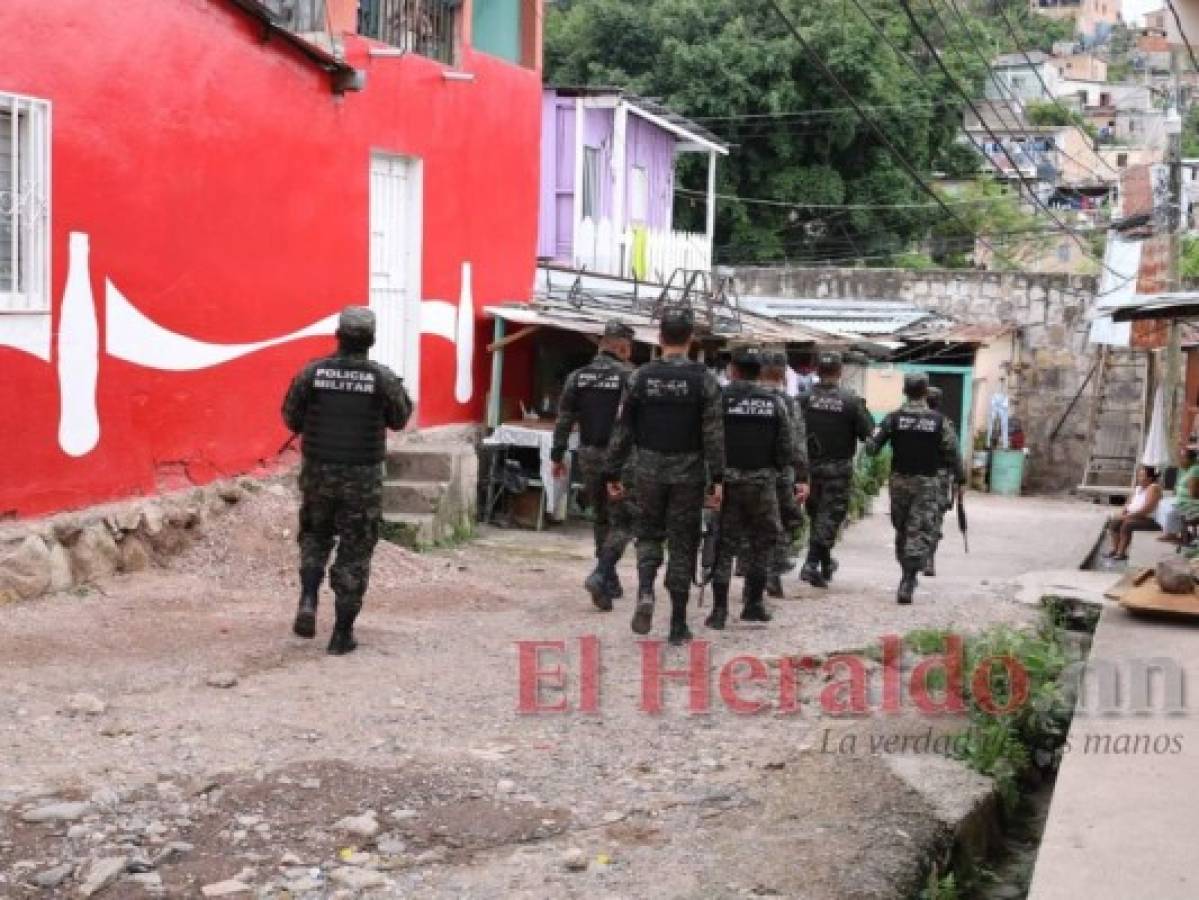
[(749, 515), (948, 487), (670, 486), (831, 456), (342, 501), (791, 514), (613, 520), (916, 485)]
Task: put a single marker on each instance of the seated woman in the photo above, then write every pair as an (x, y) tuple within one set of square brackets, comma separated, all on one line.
[(1175, 511), (1137, 515)]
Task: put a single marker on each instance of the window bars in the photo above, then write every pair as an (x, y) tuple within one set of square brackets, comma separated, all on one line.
[(424, 27), (24, 205)]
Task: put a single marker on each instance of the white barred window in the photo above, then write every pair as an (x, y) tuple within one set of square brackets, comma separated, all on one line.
[(24, 204)]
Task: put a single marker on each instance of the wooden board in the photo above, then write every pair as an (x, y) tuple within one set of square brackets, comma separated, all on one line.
[(1149, 598), (1130, 579)]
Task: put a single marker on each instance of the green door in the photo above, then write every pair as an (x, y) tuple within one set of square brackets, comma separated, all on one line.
[(496, 28)]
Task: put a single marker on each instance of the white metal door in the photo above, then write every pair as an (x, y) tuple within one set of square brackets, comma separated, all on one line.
[(395, 261)]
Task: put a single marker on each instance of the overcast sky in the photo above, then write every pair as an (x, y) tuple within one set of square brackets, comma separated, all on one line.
[(1134, 9)]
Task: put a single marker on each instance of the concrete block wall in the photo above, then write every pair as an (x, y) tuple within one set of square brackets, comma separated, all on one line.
[(1050, 313)]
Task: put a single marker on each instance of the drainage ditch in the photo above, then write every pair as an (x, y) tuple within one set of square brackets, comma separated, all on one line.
[(1021, 751)]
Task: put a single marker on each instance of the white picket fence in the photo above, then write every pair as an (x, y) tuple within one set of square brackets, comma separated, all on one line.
[(598, 248)]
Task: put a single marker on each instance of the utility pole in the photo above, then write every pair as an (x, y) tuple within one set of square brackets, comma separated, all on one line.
[(1174, 378)]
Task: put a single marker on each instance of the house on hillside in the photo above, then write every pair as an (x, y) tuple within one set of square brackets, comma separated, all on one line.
[(609, 185), (190, 190), (1024, 77), (1087, 66), (1093, 19)]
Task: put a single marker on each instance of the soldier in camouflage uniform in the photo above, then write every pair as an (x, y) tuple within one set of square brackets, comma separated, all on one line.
[(591, 397), (836, 419), (672, 415), (793, 480), (922, 447), (948, 485), (342, 405), (757, 448)]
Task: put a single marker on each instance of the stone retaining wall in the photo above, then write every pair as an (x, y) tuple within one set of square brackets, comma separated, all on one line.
[(1050, 315), (42, 556)]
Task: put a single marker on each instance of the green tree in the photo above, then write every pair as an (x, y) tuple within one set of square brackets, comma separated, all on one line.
[(989, 209), (733, 65)]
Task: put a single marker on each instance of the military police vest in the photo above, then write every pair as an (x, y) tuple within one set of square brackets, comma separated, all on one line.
[(344, 422), (830, 420), (916, 439), (670, 407), (599, 388), (752, 419)]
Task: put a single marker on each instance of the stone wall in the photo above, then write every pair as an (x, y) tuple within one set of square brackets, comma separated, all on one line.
[(1050, 314), (42, 556)]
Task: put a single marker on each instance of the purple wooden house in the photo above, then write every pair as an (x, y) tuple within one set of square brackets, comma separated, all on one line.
[(608, 184)]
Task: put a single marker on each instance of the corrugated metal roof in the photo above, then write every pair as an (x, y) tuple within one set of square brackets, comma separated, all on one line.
[(584, 303), (649, 104), (847, 317)]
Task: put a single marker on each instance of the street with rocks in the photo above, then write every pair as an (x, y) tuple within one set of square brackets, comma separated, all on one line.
[(163, 733)]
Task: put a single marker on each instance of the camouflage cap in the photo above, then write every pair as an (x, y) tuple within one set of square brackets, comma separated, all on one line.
[(748, 355), (618, 329), (915, 383), (358, 319), (829, 360), (678, 317)]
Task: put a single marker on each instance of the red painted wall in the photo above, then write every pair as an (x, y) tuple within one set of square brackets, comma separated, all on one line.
[(225, 189)]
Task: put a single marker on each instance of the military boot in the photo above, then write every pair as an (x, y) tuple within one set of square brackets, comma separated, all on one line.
[(643, 613), (310, 585), (828, 565), (614, 587), (597, 583), (753, 607), (811, 571), (342, 641), (930, 565), (720, 607), (907, 585), (679, 632), (774, 587)]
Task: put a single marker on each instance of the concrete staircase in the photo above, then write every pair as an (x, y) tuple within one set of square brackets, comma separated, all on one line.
[(430, 493)]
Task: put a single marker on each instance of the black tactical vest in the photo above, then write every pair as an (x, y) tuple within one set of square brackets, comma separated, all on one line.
[(752, 420), (599, 388), (916, 439), (344, 422), (830, 419), (670, 407)]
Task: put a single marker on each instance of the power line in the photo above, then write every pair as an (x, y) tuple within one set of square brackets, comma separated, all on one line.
[(992, 76), (886, 141), (798, 204), (1182, 33), (953, 82), (1011, 30), (814, 112)]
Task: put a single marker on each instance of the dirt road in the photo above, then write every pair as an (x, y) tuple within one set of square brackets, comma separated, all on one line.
[(169, 735)]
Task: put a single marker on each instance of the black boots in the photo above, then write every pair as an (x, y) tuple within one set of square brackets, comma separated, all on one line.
[(310, 585), (754, 606), (930, 565), (907, 585), (643, 613), (343, 641), (813, 570), (720, 607), (596, 585), (828, 565), (679, 632), (603, 584)]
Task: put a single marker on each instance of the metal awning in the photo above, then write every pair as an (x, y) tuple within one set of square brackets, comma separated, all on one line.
[(1178, 305)]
